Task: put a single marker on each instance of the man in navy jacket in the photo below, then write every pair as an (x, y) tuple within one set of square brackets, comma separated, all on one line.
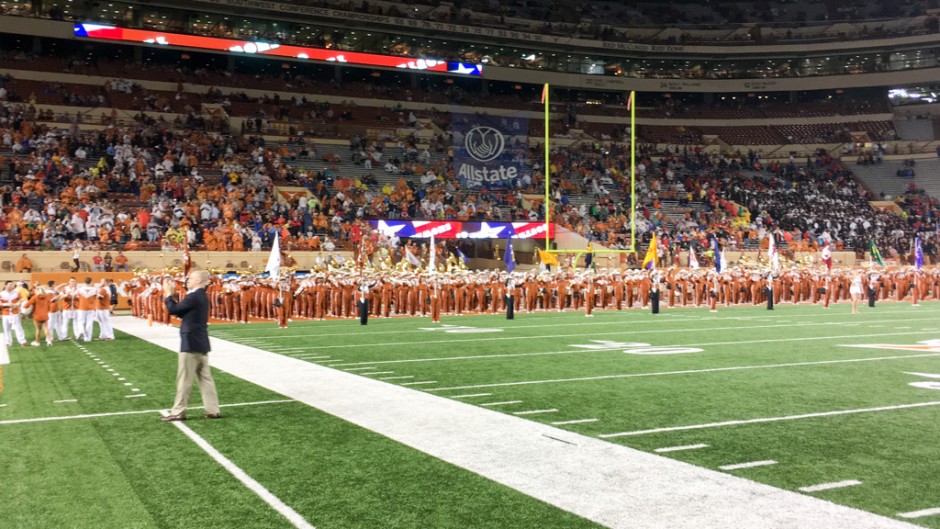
[(193, 312)]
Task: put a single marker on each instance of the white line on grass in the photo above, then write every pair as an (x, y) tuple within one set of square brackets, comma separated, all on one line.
[(419, 383), (470, 396), (618, 321), (503, 403), (579, 335), (830, 486), (751, 464), (585, 351), (63, 401), (680, 448), (135, 395), (770, 419), (376, 373), (134, 412), (920, 514), (359, 368), (534, 412), (686, 372), (282, 508), (396, 378), (575, 421)]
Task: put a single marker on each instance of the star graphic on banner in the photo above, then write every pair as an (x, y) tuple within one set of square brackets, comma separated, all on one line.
[(387, 230)]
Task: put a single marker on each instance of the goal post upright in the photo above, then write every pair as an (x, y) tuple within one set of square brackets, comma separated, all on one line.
[(631, 106)]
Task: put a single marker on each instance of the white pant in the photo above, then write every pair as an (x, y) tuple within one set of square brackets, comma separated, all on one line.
[(104, 324), (84, 324), (12, 323), (77, 326)]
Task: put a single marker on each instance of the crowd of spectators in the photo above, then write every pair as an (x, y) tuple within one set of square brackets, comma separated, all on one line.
[(153, 183)]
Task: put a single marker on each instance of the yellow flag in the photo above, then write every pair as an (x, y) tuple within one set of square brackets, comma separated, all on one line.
[(649, 262), (548, 258)]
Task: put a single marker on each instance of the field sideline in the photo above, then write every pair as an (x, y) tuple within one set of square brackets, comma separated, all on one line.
[(819, 403)]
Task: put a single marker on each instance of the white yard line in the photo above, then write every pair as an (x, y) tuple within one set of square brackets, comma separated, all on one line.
[(133, 412), (921, 513), (420, 383), (397, 378), (360, 368), (64, 401), (615, 321), (135, 395), (586, 351), (503, 403), (470, 396), (371, 373), (830, 486), (685, 372), (750, 464), (607, 483), (581, 335), (680, 448), (534, 412), (769, 419), (282, 508), (575, 421)]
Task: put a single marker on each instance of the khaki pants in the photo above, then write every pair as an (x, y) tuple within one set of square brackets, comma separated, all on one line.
[(194, 365)]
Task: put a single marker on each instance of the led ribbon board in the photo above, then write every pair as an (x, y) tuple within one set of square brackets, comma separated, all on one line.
[(251, 47), (447, 229)]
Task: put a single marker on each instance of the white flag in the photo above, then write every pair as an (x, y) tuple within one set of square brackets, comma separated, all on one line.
[(410, 257), (274, 260), (774, 256), (693, 261), (432, 256)]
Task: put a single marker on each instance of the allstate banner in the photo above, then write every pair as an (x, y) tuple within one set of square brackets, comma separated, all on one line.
[(489, 151)]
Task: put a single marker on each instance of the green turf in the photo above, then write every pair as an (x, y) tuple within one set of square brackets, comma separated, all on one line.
[(133, 471), (745, 371)]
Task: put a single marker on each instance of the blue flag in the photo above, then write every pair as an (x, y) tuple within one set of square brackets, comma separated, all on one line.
[(918, 254), (462, 256), (717, 251), (509, 257)]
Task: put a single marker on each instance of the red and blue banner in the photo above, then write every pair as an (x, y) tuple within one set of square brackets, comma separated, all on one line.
[(253, 47), (450, 229)]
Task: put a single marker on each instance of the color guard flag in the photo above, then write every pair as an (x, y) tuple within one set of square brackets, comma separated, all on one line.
[(509, 257), (875, 254), (462, 256), (827, 256), (432, 256), (410, 257), (693, 261), (274, 260), (649, 262), (774, 255), (544, 92), (548, 258), (918, 253), (717, 250)]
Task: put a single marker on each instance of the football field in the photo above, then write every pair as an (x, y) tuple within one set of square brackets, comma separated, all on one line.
[(822, 403)]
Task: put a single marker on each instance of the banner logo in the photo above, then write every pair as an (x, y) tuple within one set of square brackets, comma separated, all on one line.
[(484, 144)]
